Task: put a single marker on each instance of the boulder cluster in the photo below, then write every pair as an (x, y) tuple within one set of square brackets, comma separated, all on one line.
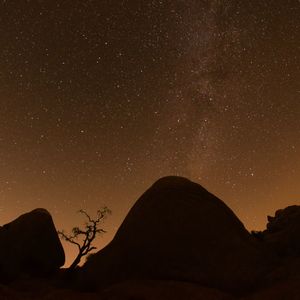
[(177, 242), (283, 231)]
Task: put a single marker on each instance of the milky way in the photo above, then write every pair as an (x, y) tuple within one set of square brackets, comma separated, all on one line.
[(101, 98)]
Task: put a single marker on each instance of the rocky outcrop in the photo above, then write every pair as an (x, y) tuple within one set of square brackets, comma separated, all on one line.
[(177, 242), (179, 231), (283, 231), (30, 245), (282, 238)]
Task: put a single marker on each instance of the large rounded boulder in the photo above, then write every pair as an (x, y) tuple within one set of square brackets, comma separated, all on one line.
[(30, 246), (179, 231)]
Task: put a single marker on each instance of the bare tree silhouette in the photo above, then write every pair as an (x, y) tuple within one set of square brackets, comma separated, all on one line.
[(88, 234)]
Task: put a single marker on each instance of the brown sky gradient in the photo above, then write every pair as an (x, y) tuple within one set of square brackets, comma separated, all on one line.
[(101, 98)]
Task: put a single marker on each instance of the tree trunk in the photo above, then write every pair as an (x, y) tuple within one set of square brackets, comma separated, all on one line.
[(75, 262)]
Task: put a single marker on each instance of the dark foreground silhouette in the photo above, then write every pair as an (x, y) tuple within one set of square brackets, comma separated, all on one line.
[(177, 242)]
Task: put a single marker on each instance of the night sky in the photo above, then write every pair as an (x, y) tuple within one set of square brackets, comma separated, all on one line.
[(101, 98)]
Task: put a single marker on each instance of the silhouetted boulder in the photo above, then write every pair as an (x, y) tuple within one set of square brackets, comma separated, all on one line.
[(282, 237), (30, 245), (179, 231), (283, 231)]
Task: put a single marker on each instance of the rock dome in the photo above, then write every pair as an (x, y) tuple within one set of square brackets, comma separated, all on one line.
[(177, 230)]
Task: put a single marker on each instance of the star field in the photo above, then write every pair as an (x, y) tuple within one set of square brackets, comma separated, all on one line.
[(101, 98)]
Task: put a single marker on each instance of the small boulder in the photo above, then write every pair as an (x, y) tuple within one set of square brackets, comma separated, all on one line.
[(30, 246)]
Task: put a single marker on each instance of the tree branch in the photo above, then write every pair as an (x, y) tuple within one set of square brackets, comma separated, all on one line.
[(69, 239)]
